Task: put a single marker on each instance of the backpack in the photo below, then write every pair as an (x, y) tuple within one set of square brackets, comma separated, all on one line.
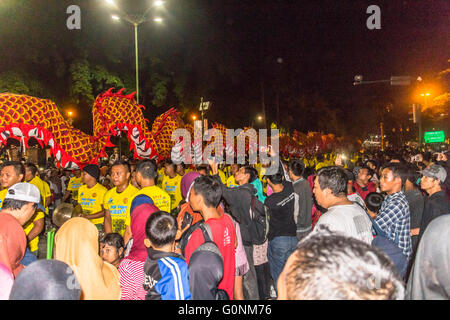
[(208, 246), (260, 217), (389, 247)]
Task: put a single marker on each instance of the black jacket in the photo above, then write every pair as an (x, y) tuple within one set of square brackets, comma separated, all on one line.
[(305, 204), (435, 206), (239, 200)]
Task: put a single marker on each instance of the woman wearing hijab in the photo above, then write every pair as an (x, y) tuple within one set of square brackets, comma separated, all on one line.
[(46, 280), (429, 279), (131, 268), (186, 183), (76, 243)]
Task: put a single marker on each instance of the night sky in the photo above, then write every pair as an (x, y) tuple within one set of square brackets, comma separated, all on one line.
[(323, 44)]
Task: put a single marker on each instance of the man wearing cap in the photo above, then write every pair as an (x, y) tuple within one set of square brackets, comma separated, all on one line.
[(12, 173), (19, 207), (436, 202), (91, 195)]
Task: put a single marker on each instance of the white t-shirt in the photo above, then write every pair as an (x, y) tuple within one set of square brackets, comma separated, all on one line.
[(354, 197), (351, 220)]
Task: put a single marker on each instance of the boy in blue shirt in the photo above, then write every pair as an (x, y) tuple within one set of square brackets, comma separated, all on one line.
[(166, 272)]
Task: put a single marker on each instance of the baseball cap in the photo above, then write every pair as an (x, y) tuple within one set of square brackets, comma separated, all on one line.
[(435, 171), (25, 192)]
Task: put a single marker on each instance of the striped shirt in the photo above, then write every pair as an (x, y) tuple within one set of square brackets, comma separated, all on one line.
[(131, 279)]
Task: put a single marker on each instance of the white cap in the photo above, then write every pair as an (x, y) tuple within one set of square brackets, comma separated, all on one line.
[(25, 192)]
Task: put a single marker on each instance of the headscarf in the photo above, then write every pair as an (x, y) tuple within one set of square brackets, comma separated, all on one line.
[(46, 280), (205, 272), (429, 278), (186, 182), (139, 218), (76, 243), (259, 190), (6, 282), (13, 243)]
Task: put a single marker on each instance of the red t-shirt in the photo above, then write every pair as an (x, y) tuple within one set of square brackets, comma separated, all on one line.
[(224, 237), (364, 191)]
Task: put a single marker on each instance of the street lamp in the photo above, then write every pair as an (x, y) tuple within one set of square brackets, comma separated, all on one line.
[(135, 21)]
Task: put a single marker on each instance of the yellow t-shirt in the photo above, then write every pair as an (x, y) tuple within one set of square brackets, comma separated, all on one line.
[(33, 244), (160, 198), (161, 176), (231, 182), (44, 190), (74, 184), (2, 196), (172, 187), (91, 200), (117, 205)]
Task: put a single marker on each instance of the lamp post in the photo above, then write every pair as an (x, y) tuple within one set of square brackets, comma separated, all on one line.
[(424, 95), (70, 119), (135, 21)]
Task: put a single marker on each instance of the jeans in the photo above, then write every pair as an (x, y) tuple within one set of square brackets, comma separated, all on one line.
[(28, 258), (249, 280), (279, 250)]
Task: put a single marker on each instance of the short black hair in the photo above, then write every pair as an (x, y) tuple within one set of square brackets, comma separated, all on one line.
[(276, 178), (209, 189), (350, 175), (115, 240), (370, 172), (412, 173), (297, 167), (147, 169), (122, 163), (32, 167), (333, 178), (18, 166), (161, 228), (13, 204), (398, 170), (373, 201), (203, 167), (169, 162), (252, 172)]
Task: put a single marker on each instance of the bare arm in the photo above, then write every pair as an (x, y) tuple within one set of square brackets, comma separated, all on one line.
[(66, 195), (108, 223), (127, 236), (37, 229)]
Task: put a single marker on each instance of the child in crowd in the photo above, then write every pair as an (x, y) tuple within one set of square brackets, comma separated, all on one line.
[(166, 272), (112, 249)]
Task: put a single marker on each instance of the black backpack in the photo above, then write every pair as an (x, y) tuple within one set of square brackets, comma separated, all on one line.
[(259, 215), (208, 246)]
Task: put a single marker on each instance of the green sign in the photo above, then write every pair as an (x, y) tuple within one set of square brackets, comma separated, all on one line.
[(434, 136)]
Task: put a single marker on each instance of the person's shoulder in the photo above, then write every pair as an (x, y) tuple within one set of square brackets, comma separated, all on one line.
[(101, 188)]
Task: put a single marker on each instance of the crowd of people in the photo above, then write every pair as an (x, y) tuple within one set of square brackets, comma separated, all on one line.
[(374, 225)]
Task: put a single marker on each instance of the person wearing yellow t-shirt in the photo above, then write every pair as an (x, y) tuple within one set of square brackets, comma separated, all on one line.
[(73, 186), (32, 176), (181, 169), (171, 184), (91, 195), (34, 228), (146, 175), (118, 199), (231, 181), (28, 198), (12, 173)]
